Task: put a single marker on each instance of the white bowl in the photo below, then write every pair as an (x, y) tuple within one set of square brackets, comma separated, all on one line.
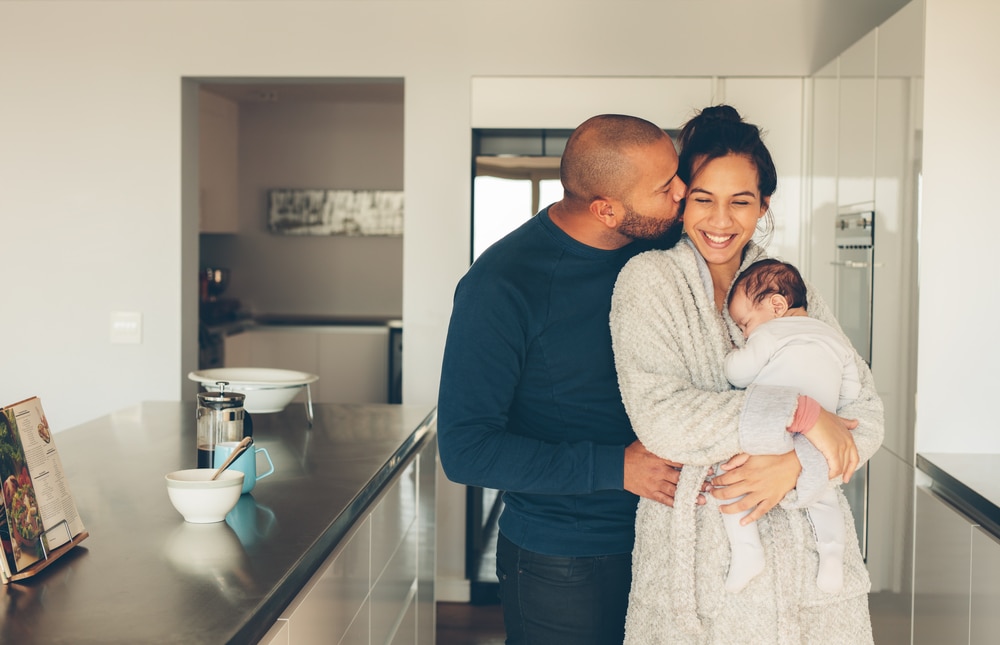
[(201, 500), (266, 389)]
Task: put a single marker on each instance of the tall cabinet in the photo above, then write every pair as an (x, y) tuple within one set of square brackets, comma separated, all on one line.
[(865, 154)]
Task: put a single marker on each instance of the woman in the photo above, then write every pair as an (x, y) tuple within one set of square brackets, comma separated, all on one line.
[(671, 335)]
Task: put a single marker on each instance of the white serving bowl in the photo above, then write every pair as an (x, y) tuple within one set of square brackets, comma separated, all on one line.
[(200, 499), (266, 389)]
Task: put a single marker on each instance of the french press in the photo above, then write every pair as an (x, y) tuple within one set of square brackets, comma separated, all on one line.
[(220, 417)]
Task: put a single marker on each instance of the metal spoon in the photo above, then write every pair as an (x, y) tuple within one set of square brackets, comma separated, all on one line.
[(237, 451)]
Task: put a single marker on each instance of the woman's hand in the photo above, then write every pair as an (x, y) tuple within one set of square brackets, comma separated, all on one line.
[(832, 437), (761, 480)]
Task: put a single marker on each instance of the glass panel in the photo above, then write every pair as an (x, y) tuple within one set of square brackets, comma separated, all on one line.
[(500, 206), (549, 192)]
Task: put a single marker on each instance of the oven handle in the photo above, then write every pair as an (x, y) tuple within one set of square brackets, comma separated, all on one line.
[(852, 264)]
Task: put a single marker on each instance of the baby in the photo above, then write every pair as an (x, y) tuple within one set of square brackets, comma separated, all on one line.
[(784, 346)]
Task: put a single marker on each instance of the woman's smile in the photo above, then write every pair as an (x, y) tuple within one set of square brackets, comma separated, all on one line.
[(716, 240)]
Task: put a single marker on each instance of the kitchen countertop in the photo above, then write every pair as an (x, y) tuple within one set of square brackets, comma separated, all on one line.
[(145, 575), (969, 481), (284, 320)]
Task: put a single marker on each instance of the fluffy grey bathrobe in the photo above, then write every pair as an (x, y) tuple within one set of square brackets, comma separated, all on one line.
[(670, 343)]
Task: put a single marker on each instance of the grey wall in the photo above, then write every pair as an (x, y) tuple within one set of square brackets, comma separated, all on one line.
[(334, 144)]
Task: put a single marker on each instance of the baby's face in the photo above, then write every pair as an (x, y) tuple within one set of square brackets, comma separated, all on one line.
[(747, 315)]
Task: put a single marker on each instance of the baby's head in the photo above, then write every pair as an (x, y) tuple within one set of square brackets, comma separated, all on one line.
[(768, 289)]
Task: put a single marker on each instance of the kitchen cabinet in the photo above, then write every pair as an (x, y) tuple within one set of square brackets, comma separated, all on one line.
[(823, 189), (369, 591), (890, 546), (856, 131), (941, 577), (218, 164), (984, 622), (352, 361), (354, 364)]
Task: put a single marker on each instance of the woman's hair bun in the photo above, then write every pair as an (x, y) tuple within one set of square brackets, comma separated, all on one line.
[(721, 113)]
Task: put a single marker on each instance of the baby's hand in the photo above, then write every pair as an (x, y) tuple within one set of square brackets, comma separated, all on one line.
[(832, 437)]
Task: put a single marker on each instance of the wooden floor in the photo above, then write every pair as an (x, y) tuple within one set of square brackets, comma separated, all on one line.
[(460, 623)]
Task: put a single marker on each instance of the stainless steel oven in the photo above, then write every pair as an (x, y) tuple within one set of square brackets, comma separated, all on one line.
[(854, 266), (855, 239)]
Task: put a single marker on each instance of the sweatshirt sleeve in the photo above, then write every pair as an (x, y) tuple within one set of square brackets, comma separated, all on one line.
[(483, 359), (744, 363)]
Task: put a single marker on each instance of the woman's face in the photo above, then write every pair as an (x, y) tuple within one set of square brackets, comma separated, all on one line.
[(722, 208)]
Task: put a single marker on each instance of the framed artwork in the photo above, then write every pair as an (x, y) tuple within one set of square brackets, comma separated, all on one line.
[(335, 212)]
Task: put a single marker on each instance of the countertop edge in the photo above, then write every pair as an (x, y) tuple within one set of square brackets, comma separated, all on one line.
[(963, 497), (271, 609)]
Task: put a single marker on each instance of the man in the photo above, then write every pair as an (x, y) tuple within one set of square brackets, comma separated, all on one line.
[(529, 400)]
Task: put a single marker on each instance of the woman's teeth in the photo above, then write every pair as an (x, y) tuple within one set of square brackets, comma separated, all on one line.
[(718, 239)]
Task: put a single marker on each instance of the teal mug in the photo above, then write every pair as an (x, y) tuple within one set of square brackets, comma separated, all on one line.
[(246, 463)]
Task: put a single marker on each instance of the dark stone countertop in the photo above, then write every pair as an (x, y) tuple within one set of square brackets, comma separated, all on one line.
[(287, 320), (971, 482), (146, 576)]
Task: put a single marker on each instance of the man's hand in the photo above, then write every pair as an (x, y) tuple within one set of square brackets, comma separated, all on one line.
[(650, 476), (832, 437), (762, 481)]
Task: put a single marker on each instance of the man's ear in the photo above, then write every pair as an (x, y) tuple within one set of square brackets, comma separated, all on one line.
[(778, 304), (606, 211)]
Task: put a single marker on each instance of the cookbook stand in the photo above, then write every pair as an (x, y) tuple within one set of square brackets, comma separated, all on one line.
[(49, 556)]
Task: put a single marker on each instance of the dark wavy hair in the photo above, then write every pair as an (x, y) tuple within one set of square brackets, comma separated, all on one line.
[(766, 277), (718, 131)]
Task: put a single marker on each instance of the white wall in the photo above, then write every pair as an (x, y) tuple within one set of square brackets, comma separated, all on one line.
[(958, 380)]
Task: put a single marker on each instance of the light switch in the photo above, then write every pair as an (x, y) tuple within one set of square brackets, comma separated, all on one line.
[(126, 327)]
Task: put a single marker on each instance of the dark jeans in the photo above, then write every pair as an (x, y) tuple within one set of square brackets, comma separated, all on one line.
[(552, 600)]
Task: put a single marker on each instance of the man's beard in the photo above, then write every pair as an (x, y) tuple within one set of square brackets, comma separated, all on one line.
[(640, 227)]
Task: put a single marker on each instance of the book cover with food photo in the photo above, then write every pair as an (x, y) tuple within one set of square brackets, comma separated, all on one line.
[(41, 518), (22, 518)]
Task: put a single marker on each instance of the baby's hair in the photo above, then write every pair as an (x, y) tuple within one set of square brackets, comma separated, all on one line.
[(767, 277)]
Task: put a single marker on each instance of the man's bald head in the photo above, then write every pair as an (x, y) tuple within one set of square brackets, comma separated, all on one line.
[(596, 164)]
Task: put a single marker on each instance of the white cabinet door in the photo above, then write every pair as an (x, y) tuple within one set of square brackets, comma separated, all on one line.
[(985, 615), (334, 604), (285, 348), (819, 250), (237, 350), (353, 365), (565, 102), (856, 150), (943, 545), (352, 362), (277, 635), (890, 547), (218, 163)]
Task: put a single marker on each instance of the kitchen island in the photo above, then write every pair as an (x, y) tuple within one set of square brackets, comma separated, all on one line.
[(956, 586), (336, 546)]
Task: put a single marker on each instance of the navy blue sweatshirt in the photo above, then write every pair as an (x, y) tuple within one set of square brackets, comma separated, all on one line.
[(529, 401)]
